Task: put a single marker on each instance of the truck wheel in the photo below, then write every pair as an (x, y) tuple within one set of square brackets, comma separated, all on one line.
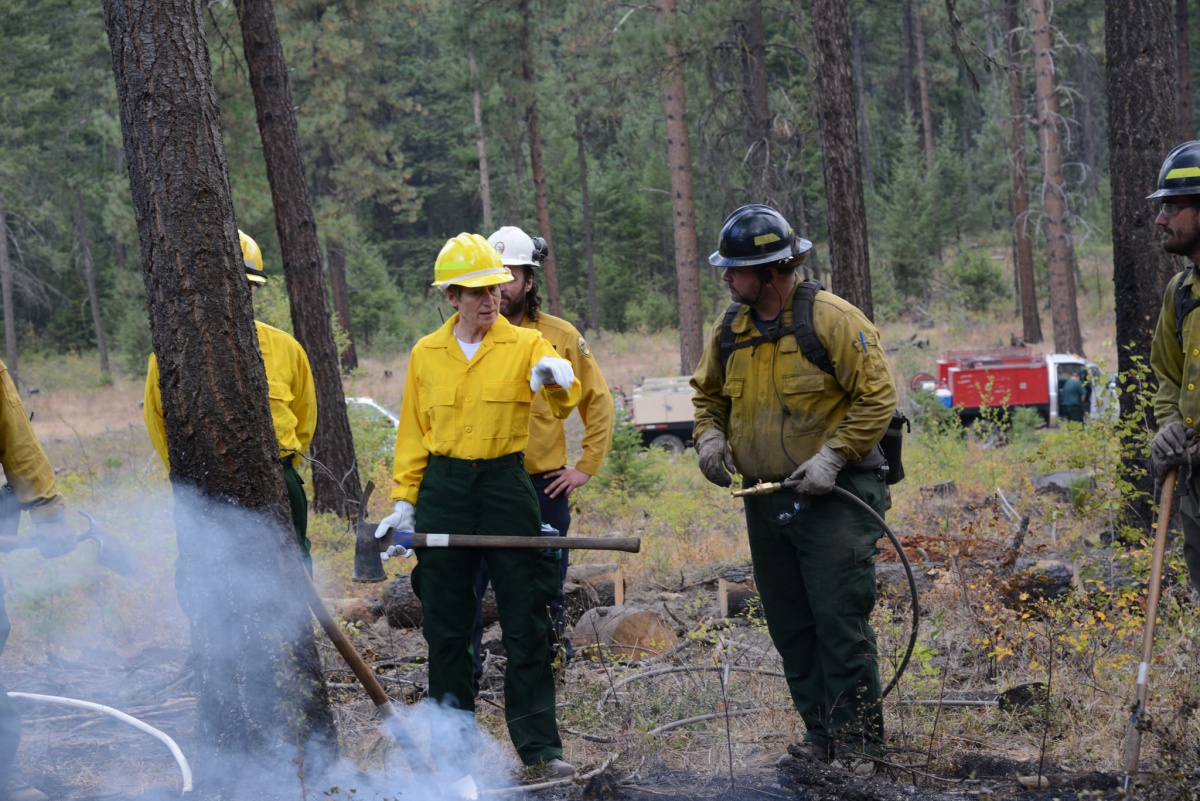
[(670, 443)]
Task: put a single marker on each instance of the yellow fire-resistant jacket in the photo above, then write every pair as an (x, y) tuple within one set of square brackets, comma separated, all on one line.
[(470, 410), (25, 464), (547, 448), (1177, 367), (289, 383), (777, 408)]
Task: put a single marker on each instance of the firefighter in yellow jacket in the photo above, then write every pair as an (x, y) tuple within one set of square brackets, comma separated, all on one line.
[(546, 455), (292, 394), (773, 407), (31, 478), (459, 468)]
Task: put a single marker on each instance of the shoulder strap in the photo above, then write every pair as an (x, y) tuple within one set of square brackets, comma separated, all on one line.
[(802, 325), (801, 328), (1184, 302)]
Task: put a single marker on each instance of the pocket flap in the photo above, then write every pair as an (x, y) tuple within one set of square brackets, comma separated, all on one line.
[(733, 387), (507, 391), (810, 382), (442, 396)]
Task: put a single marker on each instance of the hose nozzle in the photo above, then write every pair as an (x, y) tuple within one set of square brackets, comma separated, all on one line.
[(761, 488)]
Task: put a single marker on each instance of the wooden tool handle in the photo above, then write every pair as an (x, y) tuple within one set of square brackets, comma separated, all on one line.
[(1133, 739), (628, 544)]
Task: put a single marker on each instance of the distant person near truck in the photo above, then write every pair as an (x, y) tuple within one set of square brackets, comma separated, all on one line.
[(773, 405), (1070, 403)]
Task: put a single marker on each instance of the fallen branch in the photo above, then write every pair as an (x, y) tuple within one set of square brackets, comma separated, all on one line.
[(711, 716), (678, 669)]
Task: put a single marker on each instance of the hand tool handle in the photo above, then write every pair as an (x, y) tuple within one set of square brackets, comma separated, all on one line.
[(627, 544), (1133, 740)]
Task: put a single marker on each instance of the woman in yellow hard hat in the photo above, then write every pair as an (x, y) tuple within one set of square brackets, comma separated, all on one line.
[(459, 467)]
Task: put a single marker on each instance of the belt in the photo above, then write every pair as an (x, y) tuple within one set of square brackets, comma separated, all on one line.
[(508, 459)]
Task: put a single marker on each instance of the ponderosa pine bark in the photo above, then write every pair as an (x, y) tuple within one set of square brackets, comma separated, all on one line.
[(1031, 317), (1187, 130), (258, 674), (485, 181), (849, 252), (336, 484), (752, 50), (586, 204), (1142, 128), (683, 197), (1060, 259)]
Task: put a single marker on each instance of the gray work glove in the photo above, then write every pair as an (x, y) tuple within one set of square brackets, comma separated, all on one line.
[(54, 537), (716, 459), (1170, 446), (817, 475)]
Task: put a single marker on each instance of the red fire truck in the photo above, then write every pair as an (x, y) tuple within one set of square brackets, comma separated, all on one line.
[(970, 380)]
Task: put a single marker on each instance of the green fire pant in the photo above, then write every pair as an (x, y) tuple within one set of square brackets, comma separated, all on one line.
[(1189, 516), (815, 570), (489, 497), (298, 503)]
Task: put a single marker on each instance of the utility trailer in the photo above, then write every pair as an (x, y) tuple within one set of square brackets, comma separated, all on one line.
[(661, 411)]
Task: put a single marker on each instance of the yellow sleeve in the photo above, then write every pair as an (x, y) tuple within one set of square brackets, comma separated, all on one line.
[(152, 412), (864, 372), (25, 464), (411, 458), (561, 400), (304, 399), (1166, 359), (595, 408), (712, 405)]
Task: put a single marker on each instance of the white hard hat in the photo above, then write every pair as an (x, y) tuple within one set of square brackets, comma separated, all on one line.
[(517, 248)]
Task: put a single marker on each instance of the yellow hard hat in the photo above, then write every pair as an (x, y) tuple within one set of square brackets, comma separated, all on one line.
[(468, 260), (252, 257)]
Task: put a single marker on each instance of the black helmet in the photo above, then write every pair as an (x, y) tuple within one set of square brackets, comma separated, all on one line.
[(754, 235), (1180, 173)]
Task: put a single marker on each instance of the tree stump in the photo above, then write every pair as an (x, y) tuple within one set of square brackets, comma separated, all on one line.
[(591, 586), (737, 597), (624, 631)]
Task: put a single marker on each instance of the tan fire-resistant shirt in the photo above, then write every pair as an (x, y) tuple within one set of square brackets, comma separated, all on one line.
[(547, 448), (1177, 366), (777, 408), (25, 464)]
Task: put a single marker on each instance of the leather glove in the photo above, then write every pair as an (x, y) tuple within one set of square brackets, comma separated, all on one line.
[(1170, 445), (817, 475), (551, 370), (403, 546), (400, 520), (716, 458), (54, 537)]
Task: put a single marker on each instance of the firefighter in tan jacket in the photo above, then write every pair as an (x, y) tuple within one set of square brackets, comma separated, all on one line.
[(768, 411)]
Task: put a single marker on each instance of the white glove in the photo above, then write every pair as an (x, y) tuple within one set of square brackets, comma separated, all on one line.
[(818, 474), (402, 519), (551, 370)]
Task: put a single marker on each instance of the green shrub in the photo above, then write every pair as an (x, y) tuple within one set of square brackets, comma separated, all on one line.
[(978, 281), (629, 468)]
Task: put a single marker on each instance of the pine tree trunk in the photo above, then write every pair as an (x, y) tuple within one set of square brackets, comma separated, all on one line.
[(923, 86), (907, 68), (683, 198), (485, 181), (542, 200), (588, 255), (864, 119), (1060, 260), (849, 252), (1187, 131), (336, 486), (753, 52), (1142, 126), (336, 255), (258, 674), (1023, 243), (6, 290), (89, 279)]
